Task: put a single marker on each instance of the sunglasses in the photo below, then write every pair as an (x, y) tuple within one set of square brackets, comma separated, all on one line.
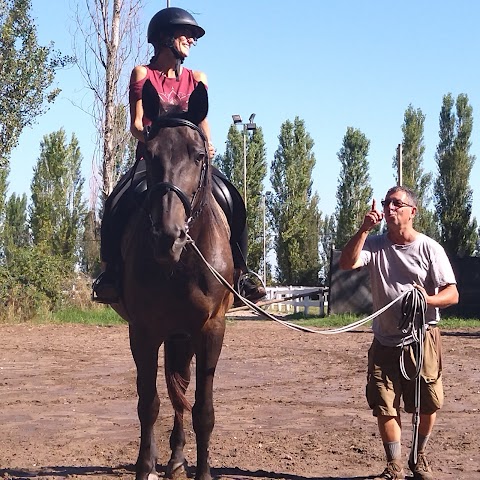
[(396, 203), (185, 31)]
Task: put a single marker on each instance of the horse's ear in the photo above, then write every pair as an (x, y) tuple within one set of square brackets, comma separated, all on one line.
[(198, 104), (151, 101)]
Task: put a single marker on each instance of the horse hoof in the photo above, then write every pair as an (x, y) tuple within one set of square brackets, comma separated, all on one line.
[(152, 476), (176, 469)]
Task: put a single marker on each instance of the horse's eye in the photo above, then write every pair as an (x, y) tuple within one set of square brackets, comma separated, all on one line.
[(200, 157)]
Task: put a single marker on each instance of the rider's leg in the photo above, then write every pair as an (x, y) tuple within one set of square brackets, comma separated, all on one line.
[(117, 209), (105, 288)]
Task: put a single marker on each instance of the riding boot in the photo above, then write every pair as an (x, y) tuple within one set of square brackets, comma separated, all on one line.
[(105, 289), (247, 283)]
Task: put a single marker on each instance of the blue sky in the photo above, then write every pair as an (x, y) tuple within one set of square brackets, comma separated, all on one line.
[(334, 64)]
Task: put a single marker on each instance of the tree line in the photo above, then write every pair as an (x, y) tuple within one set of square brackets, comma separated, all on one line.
[(53, 236), (301, 236)]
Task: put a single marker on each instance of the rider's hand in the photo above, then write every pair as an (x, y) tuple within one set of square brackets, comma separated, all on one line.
[(211, 150), (372, 218)]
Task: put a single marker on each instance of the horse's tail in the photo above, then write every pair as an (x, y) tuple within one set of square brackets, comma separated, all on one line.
[(176, 387), (177, 355)]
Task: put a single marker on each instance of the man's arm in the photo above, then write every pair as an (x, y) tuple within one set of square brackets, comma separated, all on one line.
[(446, 296), (350, 257)]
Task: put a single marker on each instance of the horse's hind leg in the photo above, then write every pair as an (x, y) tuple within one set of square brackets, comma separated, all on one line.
[(207, 352), (178, 356), (145, 354)]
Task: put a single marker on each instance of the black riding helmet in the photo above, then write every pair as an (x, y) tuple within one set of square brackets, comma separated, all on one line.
[(166, 20)]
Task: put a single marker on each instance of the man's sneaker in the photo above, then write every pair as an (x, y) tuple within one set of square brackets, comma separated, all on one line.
[(421, 470), (393, 472)]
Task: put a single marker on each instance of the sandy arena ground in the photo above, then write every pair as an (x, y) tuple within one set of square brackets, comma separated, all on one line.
[(288, 405)]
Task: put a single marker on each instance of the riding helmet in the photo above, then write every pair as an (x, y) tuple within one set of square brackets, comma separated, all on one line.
[(167, 19)]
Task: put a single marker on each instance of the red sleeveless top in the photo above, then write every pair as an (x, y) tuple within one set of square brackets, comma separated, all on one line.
[(172, 94)]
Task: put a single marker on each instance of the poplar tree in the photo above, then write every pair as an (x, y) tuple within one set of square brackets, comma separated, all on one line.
[(27, 71), (15, 230), (354, 192), (231, 164), (293, 210), (327, 237), (413, 175), (57, 210), (453, 194)]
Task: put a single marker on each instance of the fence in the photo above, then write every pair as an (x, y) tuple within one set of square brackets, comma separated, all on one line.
[(307, 299)]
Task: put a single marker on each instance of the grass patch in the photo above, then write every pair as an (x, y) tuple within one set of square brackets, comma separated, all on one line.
[(447, 323), (105, 315), (94, 316)]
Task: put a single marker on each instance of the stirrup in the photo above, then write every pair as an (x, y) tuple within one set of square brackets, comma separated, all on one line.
[(250, 285)]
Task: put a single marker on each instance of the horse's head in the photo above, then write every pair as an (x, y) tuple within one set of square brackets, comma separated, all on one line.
[(176, 157)]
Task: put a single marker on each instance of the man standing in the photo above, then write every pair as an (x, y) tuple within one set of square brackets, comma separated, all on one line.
[(398, 260)]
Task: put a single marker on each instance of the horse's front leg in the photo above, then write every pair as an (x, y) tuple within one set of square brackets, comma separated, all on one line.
[(145, 354), (178, 356), (203, 416)]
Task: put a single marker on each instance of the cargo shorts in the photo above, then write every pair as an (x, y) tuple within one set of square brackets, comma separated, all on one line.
[(386, 385)]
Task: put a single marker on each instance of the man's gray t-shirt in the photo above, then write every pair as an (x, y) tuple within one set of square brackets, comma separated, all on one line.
[(393, 270)]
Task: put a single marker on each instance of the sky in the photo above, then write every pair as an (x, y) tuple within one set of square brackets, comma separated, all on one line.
[(335, 64)]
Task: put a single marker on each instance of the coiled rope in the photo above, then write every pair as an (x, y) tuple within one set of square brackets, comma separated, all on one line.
[(414, 307)]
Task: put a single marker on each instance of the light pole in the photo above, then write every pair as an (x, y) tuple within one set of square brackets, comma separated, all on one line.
[(237, 120)]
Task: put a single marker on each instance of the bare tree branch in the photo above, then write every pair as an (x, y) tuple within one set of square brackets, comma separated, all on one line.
[(109, 42)]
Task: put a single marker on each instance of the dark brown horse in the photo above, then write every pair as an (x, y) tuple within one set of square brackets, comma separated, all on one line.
[(169, 296)]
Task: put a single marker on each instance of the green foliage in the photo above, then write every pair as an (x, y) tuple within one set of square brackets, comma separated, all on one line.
[(232, 164), (57, 209), (27, 71), (293, 211), (90, 246), (453, 195), (15, 230), (4, 171), (354, 191), (31, 283), (256, 173), (327, 237), (413, 175)]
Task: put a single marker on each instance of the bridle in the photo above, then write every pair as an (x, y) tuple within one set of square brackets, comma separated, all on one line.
[(164, 187)]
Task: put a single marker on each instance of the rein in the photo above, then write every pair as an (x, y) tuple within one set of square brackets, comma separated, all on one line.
[(165, 187), (293, 326)]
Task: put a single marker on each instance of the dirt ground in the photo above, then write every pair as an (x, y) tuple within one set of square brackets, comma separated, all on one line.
[(288, 405)]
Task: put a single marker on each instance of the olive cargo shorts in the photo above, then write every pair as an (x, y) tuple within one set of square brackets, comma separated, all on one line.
[(386, 384)]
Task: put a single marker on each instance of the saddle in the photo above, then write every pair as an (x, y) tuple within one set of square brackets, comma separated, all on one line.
[(130, 192)]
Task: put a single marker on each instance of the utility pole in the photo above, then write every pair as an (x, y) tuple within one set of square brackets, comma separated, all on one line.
[(399, 163)]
